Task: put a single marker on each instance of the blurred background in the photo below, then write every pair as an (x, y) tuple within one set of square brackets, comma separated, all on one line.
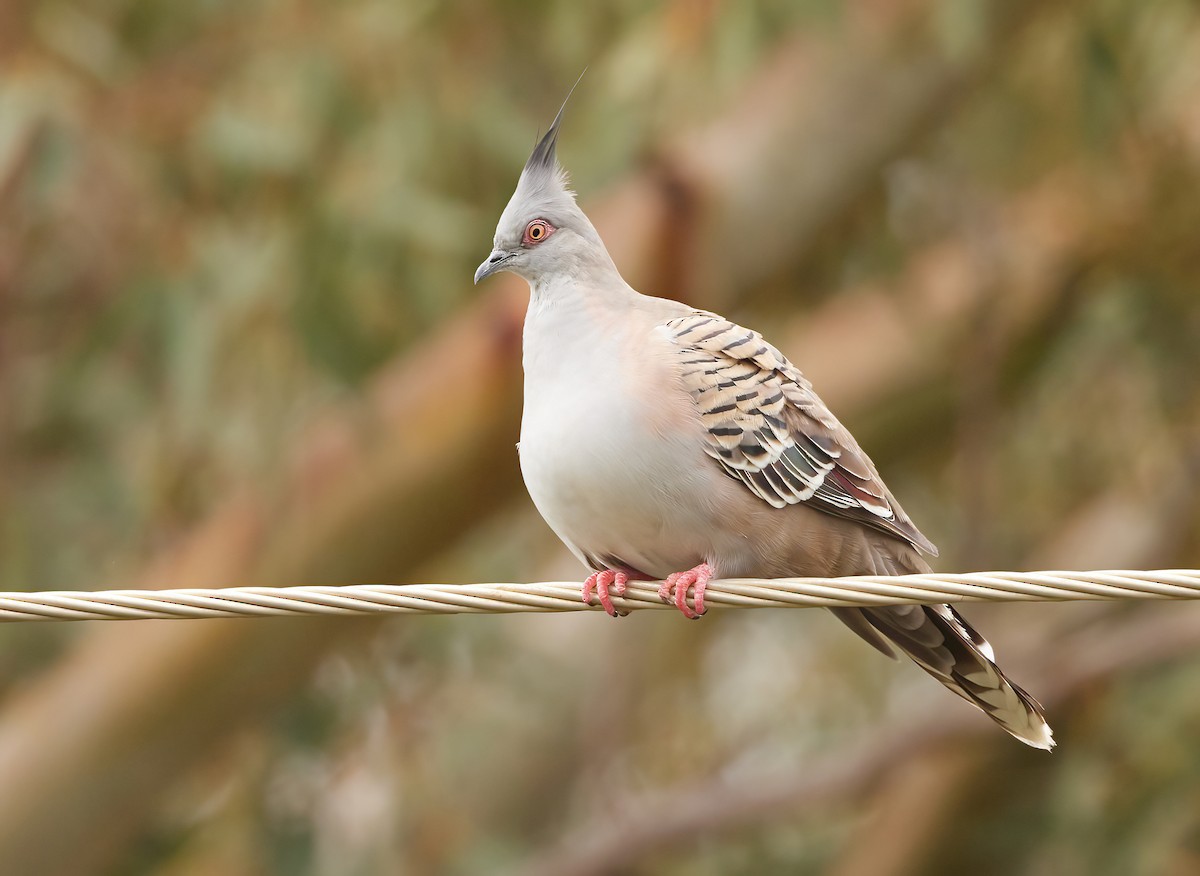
[(239, 344)]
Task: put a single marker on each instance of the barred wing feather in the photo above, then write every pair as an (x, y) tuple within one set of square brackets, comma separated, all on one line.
[(767, 428)]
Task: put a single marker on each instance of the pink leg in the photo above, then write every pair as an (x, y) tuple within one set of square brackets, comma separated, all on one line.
[(675, 589), (600, 582)]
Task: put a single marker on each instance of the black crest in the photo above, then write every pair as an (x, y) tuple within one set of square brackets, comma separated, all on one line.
[(543, 159)]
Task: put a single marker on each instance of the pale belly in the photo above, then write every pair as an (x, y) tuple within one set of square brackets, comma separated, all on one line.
[(616, 473)]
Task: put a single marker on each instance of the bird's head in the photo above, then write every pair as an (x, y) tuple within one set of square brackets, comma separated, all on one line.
[(542, 232)]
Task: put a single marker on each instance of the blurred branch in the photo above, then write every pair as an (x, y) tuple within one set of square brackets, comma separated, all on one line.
[(811, 136), (906, 329)]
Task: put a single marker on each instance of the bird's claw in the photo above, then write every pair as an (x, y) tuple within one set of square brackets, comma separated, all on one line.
[(675, 589), (601, 583)]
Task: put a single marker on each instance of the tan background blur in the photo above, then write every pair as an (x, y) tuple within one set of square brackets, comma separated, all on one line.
[(239, 344)]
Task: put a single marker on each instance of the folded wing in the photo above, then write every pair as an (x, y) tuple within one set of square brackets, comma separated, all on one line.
[(766, 427)]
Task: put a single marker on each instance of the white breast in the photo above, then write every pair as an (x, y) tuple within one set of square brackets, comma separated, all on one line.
[(606, 449)]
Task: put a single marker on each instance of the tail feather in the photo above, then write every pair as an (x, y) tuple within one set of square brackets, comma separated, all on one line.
[(940, 641), (951, 651)]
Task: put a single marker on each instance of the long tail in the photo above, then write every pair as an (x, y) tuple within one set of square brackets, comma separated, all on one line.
[(943, 644)]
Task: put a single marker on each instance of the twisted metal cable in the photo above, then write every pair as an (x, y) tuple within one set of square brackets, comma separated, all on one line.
[(565, 596)]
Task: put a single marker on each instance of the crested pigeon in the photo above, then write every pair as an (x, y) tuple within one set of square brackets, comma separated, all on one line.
[(662, 442)]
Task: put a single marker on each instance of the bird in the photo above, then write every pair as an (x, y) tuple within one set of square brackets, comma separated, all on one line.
[(661, 442)]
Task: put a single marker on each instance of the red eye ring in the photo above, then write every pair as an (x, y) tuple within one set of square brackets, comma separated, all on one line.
[(537, 231)]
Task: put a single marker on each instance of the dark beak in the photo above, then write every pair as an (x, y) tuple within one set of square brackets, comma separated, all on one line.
[(492, 264)]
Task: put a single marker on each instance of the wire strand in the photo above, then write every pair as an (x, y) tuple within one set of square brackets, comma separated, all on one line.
[(365, 599)]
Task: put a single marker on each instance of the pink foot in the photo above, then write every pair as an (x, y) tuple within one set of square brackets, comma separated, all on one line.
[(599, 583), (675, 589)]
